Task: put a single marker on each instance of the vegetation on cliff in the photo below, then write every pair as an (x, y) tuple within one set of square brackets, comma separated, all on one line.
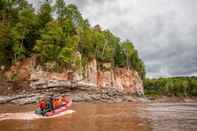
[(175, 86), (57, 34)]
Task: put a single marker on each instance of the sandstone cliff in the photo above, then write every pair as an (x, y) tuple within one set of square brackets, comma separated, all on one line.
[(90, 84), (121, 79)]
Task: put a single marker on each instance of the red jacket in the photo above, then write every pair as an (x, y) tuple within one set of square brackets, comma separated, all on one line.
[(42, 105)]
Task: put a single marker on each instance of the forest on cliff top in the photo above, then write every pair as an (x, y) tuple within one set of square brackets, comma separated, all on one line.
[(57, 34)]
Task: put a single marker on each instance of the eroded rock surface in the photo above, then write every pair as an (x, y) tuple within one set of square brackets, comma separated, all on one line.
[(95, 84)]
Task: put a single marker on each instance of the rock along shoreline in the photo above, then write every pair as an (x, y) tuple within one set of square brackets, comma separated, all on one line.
[(27, 92)]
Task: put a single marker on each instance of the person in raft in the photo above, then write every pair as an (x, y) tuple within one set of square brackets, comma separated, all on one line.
[(46, 104), (42, 106), (50, 103)]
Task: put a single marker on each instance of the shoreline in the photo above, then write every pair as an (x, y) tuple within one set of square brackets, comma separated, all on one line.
[(77, 98), (27, 92), (31, 100)]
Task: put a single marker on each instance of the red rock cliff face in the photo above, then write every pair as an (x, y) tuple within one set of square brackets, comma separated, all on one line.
[(122, 79)]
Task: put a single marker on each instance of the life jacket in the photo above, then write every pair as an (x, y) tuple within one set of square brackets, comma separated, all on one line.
[(54, 103), (60, 101), (57, 102)]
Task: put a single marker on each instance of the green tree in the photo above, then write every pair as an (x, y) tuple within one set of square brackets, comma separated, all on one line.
[(59, 8), (25, 32), (7, 11), (71, 11), (128, 51), (86, 46), (45, 14), (56, 46)]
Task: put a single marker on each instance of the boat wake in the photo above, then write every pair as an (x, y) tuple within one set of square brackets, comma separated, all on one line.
[(30, 115)]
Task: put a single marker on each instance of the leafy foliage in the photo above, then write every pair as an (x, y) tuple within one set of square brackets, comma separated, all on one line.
[(177, 86), (58, 38)]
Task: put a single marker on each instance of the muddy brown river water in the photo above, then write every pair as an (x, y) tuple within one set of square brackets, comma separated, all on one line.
[(109, 117)]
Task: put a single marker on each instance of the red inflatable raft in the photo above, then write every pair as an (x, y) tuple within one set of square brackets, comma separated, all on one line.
[(60, 104), (60, 108)]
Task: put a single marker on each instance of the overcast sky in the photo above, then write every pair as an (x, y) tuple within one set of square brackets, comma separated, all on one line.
[(163, 31)]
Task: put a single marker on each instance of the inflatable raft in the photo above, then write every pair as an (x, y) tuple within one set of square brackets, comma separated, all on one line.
[(60, 104)]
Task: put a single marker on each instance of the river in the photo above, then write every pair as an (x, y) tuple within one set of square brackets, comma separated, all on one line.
[(109, 117)]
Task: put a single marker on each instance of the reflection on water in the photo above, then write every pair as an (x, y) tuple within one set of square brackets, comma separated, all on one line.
[(111, 117)]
